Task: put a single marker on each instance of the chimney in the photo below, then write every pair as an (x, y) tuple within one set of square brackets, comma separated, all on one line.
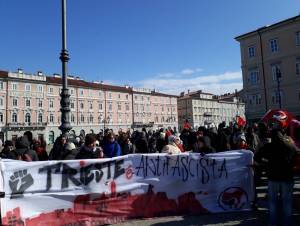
[(20, 70), (188, 91)]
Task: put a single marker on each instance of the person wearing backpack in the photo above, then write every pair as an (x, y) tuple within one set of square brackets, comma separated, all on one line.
[(278, 156), (111, 148)]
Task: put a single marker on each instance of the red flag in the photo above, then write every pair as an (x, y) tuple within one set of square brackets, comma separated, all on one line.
[(277, 115), (187, 125), (240, 121)]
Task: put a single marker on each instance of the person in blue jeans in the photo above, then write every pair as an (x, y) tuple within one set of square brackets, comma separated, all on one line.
[(278, 156)]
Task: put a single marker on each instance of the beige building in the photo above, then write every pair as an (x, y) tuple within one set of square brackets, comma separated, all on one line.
[(201, 108), (270, 58), (32, 102)]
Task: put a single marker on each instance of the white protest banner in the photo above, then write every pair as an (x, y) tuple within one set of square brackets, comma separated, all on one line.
[(103, 191)]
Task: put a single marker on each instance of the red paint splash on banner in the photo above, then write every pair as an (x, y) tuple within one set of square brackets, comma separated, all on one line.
[(114, 208)]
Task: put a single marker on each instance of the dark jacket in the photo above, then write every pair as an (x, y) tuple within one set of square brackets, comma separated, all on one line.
[(20, 154), (4, 154), (207, 148), (142, 145), (278, 157), (252, 141), (152, 144), (160, 143), (22, 151), (128, 148), (69, 154), (58, 148), (222, 141), (87, 153)]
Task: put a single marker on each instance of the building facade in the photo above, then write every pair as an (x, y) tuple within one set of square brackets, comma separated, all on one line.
[(201, 108), (32, 102), (270, 58)]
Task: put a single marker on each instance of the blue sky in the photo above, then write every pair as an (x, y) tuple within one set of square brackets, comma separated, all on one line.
[(170, 45)]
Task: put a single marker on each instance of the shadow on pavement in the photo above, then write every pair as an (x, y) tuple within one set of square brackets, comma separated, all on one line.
[(255, 218)]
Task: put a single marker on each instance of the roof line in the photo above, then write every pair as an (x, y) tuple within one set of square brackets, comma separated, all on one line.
[(264, 28), (82, 83)]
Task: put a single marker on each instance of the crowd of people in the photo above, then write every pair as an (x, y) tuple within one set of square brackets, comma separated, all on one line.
[(108, 144), (274, 151)]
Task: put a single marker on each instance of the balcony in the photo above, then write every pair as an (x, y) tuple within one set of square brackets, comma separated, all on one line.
[(15, 126)]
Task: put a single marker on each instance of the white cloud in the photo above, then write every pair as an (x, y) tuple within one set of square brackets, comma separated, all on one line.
[(166, 75), (190, 71), (217, 84), (187, 71)]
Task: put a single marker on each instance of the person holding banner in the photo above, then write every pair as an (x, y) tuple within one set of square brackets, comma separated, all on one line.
[(279, 156)]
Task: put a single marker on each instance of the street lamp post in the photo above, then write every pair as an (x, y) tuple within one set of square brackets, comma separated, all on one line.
[(278, 77), (65, 126), (237, 103)]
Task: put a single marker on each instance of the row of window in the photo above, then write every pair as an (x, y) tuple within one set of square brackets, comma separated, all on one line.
[(82, 118), (256, 99), (273, 46), (90, 118), (81, 104), (40, 88), (28, 103), (14, 118), (162, 99), (253, 74)]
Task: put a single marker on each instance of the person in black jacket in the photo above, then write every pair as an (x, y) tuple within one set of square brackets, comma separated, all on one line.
[(141, 143), (89, 149), (203, 145), (58, 147), (23, 151), (8, 147), (278, 156), (70, 151)]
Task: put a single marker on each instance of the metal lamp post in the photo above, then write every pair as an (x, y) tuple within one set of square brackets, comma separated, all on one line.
[(237, 103), (278, 77), (65, 126)]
